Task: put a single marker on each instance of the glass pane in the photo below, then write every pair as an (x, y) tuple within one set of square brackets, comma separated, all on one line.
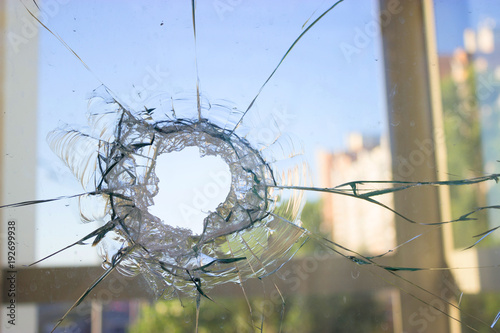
[(468, 51), (246, 174)]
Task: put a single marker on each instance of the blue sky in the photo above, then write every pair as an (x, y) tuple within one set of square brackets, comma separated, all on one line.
[(324, 94), (120, 41), (452, 17)]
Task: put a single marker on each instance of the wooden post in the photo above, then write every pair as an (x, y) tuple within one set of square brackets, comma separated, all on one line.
[(413, 101)]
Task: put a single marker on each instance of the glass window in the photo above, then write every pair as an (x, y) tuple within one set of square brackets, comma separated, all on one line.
[(255, 166)]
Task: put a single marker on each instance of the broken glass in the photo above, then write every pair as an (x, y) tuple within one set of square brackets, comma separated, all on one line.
[(152, 89)]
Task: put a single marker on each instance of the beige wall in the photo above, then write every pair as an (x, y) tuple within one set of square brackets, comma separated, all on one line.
[(18, 124)]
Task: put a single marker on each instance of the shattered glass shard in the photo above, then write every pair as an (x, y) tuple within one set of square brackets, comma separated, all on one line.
[(242, 238)]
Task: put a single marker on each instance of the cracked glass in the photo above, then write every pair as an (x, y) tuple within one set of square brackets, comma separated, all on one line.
[(341, 200)]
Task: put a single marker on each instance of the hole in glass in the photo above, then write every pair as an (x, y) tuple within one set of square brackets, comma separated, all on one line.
[(190, 187)]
